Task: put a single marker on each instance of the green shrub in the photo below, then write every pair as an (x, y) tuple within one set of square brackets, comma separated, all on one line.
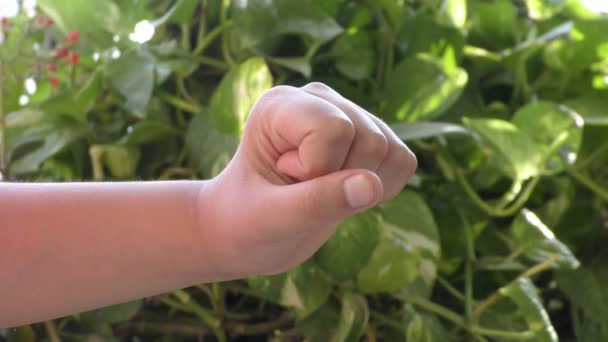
[(499, 235)]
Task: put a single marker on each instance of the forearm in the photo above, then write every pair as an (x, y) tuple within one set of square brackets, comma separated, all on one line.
[(67, 248)]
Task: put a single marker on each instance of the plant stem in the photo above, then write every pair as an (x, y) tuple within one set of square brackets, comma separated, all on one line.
[(510, 195), (166, 328), (260, 328), (185, 37), (51, 331), (180, 103), (589, 183), (468, 271), (200, 312), (183, 172), (186, 328), (437, 309), (514, 335), (223, 16), (386, 320), (181, 88), (210, 37), (592, 156), (497, 296), (453, 317), (202, 24), (453, 291), (370, 335), (217, 299), (525, 195)]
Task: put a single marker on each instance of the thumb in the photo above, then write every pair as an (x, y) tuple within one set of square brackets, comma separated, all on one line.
[(328, 198)]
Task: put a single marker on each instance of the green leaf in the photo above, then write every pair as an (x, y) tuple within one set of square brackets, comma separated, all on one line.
[(591, 330), (495, 23), (237, 93), (113, 314), (121, 160), (298, 64), (409, 213), (593, 107), (321, 325), (148, 131), (78, 101), (545, 122), (539, 242), (351, 246), (23, 333), (183, 11), (132, 75), (586, 287), (209, 149), (424, 130), (354, 316), (454, 12), (55, 134), (423, 327), (43, 92), (420, 88), (303, 288), (354, 55), (543, 10), (421, 33), (12, 44), (96, 20), (517, 155), (257, 21), (523, 292), (393, 10), (393, 264), (585, 45)]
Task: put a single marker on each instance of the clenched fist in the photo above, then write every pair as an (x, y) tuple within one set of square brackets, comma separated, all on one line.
[(308, 159)]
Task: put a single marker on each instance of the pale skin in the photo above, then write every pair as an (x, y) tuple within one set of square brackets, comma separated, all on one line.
[(309, 158)]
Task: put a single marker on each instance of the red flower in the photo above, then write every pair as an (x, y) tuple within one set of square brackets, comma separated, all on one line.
[(54, 82), (51, 67), (73, 37), (44, 21), (62, 53), (75, 59)]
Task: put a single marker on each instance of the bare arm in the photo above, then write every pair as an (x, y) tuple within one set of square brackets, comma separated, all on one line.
[(308, 159), (67, 248)]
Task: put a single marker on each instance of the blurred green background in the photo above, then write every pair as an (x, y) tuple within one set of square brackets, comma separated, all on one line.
[(500, 235)]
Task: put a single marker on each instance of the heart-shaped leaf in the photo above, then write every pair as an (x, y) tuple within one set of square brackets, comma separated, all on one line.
[(349, 249), (421, 88)]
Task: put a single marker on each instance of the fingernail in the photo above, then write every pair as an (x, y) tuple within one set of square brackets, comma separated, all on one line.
[(359, 191)]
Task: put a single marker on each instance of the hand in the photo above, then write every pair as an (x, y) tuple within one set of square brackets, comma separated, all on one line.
[(308, 159)]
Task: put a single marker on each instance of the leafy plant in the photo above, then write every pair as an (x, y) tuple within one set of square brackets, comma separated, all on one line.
[(498, 237)]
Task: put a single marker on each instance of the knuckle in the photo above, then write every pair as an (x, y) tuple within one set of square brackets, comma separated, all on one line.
[(270, 98), (375, 144), (405, 160), (317, 87), (273, 93), (279, 90), (341, 129), (310, 203)]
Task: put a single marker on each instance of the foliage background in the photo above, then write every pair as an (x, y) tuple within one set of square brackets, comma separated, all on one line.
[(498, 237)]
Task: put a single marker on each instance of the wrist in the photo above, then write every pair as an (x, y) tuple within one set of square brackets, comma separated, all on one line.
[(214, 252)]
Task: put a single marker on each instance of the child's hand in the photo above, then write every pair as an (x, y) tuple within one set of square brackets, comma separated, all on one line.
[(308, 159)]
